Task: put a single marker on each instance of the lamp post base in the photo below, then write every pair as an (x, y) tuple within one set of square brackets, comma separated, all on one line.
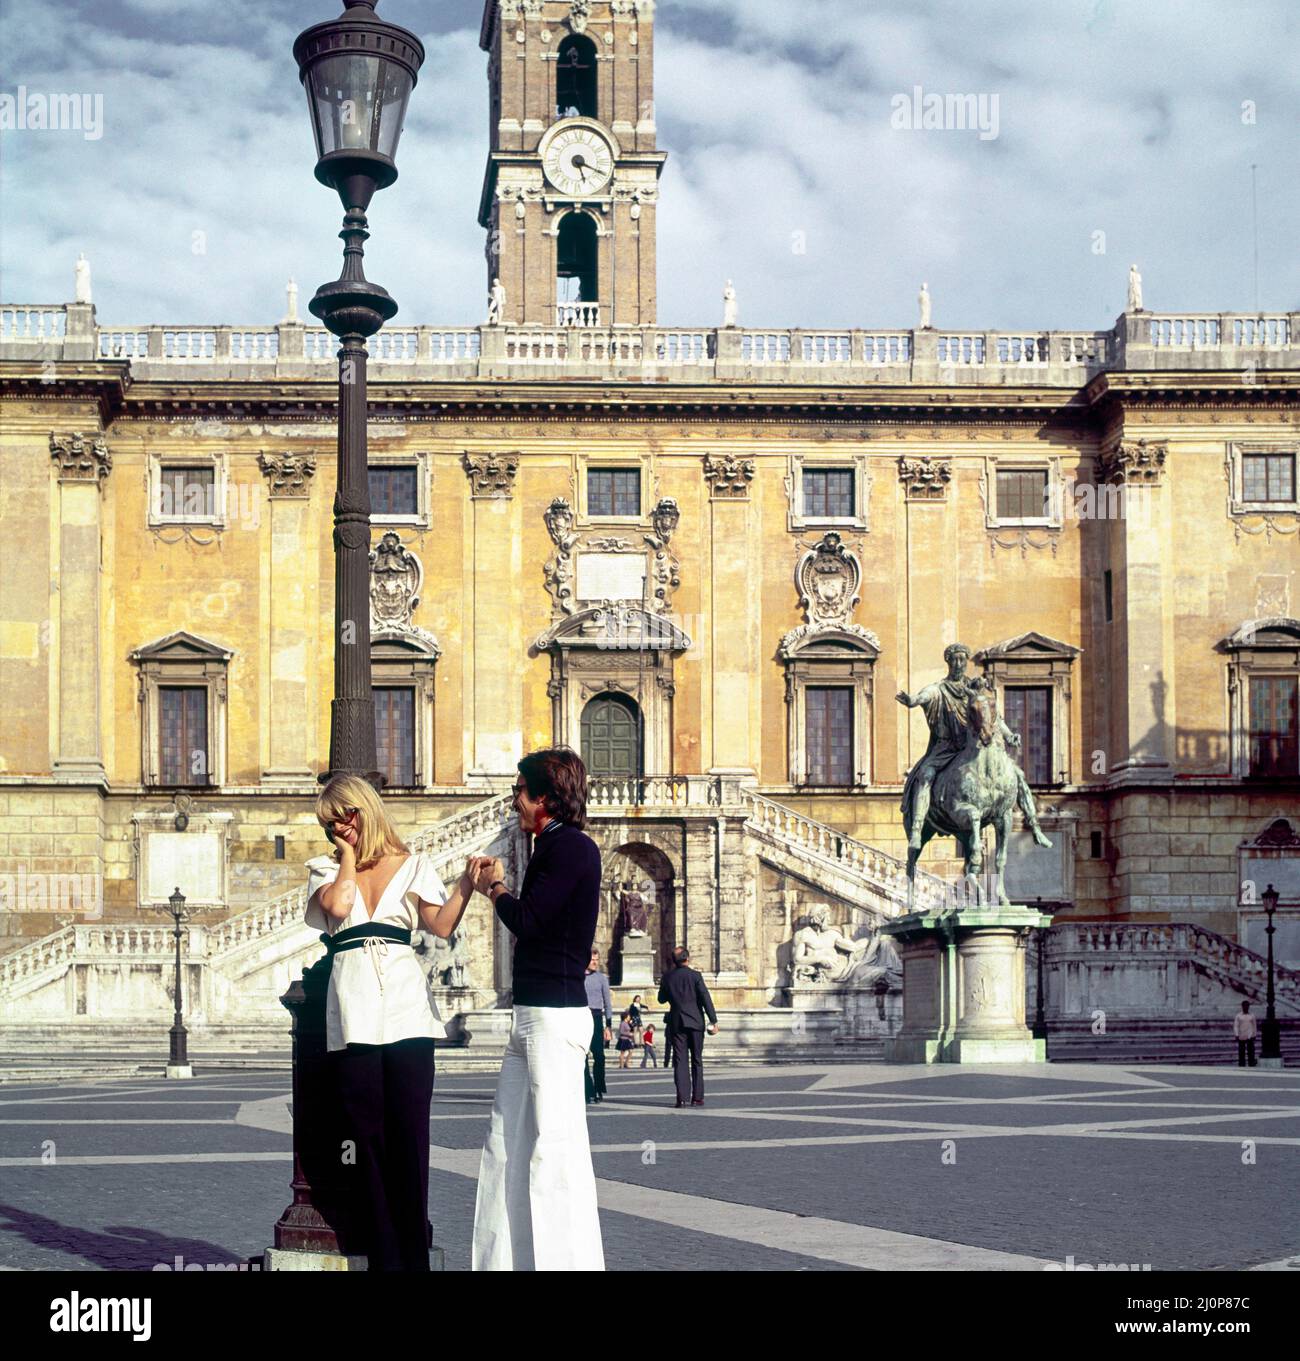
[(179, 1070)]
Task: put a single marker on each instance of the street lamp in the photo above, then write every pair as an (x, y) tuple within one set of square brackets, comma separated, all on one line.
[(358, 72), (178, 1064), (1270, 1032)]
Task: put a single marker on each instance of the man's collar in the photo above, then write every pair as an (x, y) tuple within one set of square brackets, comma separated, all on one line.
[(554, 822)]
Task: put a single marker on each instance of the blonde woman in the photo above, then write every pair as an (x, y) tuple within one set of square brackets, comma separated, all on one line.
[(380, 1020)]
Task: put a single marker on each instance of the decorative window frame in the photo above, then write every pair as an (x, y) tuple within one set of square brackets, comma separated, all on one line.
[(216, 460), (199, 854), (1260, 647), (1027, 463), (182, 658), (1034, 659), (797, 521), (619, 647), (408, 658), (832, 657), (1279, 517), (643, 460), (390, 458)]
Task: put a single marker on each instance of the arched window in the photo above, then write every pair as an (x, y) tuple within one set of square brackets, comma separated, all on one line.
[(611, 737), (575, 78), (577, 270)]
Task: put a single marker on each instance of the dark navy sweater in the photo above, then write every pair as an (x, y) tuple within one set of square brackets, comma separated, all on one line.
[(554, 918)]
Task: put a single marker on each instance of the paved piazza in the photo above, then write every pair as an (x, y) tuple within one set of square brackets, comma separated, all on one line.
[(827, 1167)]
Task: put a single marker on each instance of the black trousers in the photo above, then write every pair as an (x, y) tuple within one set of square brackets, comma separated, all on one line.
[(384, 1092), (1245, 1047), (689, 1042), (594, 1072)]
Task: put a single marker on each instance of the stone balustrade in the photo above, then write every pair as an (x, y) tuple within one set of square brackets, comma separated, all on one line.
[(1162, 969), (580, 346)]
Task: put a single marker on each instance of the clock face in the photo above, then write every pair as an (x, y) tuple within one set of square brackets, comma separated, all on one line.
[(579, 162)]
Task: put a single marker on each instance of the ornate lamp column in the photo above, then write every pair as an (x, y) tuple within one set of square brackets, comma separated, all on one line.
[(1270, 1033), (358, 72)]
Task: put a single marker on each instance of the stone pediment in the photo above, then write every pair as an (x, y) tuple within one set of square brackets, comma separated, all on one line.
[(182, 647), (614, 626), (1276, 631), (1027, 647), (410, 642), (829, 640)]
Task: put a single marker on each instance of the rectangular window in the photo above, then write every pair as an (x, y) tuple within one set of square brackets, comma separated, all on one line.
[(829, 734), (394, 489), (1108, 586), (1095, 840), (828, 493), (187, 493), (1268, 477), (1029, 712), (1274, 726), (395, 734), (1022, 494), (183, 734), (614, 491)]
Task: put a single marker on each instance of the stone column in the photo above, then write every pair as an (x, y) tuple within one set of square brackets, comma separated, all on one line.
[(495, 721), (288, 715), (83, 464), (1142, 731)]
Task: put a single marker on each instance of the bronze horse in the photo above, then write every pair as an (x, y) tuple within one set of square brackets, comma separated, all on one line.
[(976, 788)]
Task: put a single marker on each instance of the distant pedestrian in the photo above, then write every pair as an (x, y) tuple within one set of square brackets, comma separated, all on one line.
[(1244, 1028), (634, 1015), (625, 1041), (648, 1047), (602, 1014), (688, 1002)]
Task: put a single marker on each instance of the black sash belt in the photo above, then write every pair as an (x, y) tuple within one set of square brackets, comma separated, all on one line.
[(354, 937)]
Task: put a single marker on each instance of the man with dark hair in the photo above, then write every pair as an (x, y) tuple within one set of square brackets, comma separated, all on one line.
[(688, 1002), (536, 1205)]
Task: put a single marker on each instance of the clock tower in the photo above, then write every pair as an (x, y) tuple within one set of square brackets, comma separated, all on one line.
[(572, 183)]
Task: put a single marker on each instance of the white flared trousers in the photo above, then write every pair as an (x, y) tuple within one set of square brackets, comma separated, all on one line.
[(536, 1205)]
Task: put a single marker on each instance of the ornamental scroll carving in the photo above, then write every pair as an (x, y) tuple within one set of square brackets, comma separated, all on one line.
[(828, 577), (287, 475), (559, 571), (81, 459), (728, 476), (491, 475), (396, 577)]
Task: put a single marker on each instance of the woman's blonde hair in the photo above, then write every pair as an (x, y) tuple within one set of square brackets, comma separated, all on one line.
[(376, 835)]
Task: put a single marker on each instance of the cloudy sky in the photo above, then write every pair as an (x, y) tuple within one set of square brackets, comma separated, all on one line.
[(1126, 131)]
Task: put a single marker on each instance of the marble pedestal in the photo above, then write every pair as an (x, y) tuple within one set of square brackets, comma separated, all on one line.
[(964, 986), (637, 954)]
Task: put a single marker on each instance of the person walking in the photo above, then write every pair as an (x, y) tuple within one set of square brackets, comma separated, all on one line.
[(602, 1015), (626, 1041), (380, 1019), (648, 1046), (1245, 1029), (688, 1001), (535, 1208)]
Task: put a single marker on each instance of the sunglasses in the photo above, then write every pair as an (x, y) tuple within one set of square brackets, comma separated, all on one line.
[(518, 789)]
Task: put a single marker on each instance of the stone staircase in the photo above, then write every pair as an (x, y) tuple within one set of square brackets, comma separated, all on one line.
[(837, 862)]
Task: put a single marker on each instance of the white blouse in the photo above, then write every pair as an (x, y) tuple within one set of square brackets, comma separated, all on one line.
[(378, 993)]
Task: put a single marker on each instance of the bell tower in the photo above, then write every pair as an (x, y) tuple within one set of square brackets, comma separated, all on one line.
[(572, 184)]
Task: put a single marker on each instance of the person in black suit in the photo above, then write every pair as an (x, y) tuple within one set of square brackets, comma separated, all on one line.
[(688, 1003)]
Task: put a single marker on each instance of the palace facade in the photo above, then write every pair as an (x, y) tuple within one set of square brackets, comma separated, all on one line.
[(707, 558)]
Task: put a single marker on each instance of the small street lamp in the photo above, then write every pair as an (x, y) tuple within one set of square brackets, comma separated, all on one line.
[(358, 72), (1270, 1032), (178, 1064)]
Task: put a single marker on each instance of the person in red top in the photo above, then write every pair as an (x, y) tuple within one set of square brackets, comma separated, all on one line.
[(648, 1046)]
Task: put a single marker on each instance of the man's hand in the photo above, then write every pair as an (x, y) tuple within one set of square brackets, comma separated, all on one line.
[(608, 1036), (488, 870), (713, 1029)]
